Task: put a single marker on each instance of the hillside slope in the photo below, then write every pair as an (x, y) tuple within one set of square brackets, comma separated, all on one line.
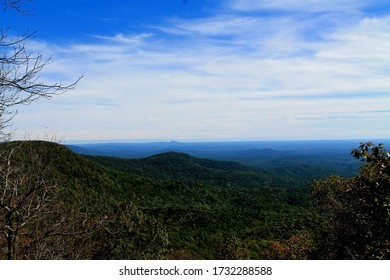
[(179, 166), (203, 202), (199, 204)]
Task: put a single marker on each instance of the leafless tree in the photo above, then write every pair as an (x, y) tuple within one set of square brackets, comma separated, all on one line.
[(20, 82), (36, 222), (15, 5), (27, 188), (25, 191)]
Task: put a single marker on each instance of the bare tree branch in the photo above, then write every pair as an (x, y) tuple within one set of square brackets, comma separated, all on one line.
[(34, 222), (15, 5), (20, 81)]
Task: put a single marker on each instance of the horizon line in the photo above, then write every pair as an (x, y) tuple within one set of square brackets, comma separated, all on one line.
[(149, 141)]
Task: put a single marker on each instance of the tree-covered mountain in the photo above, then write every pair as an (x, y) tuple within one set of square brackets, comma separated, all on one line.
[(307, 160), (179, 166), (57, 204), (204, 202), (198, 203)]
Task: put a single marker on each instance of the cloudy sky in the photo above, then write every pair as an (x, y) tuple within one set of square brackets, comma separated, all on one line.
[(211, 69)]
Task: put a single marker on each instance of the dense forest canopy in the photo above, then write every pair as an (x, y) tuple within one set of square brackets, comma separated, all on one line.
[(176, 206)]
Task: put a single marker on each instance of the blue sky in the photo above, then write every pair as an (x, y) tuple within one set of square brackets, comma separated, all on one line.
[(211, 70)]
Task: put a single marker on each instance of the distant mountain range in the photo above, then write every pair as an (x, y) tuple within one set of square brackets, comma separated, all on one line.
[(315, 158), (221, 149)]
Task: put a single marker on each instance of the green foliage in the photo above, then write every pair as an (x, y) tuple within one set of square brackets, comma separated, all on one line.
[(126, 233), (175, 206), (178, 166), (57, 205), (358, 208), (202, 203)]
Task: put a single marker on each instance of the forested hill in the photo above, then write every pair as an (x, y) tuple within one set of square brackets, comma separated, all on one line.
[(303, 160), (204, 203), (184, 207), (180, 166)]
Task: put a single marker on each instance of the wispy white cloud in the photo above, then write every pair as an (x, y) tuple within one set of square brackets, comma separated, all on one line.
[(226, 77), (303, 5), (134, 40)]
